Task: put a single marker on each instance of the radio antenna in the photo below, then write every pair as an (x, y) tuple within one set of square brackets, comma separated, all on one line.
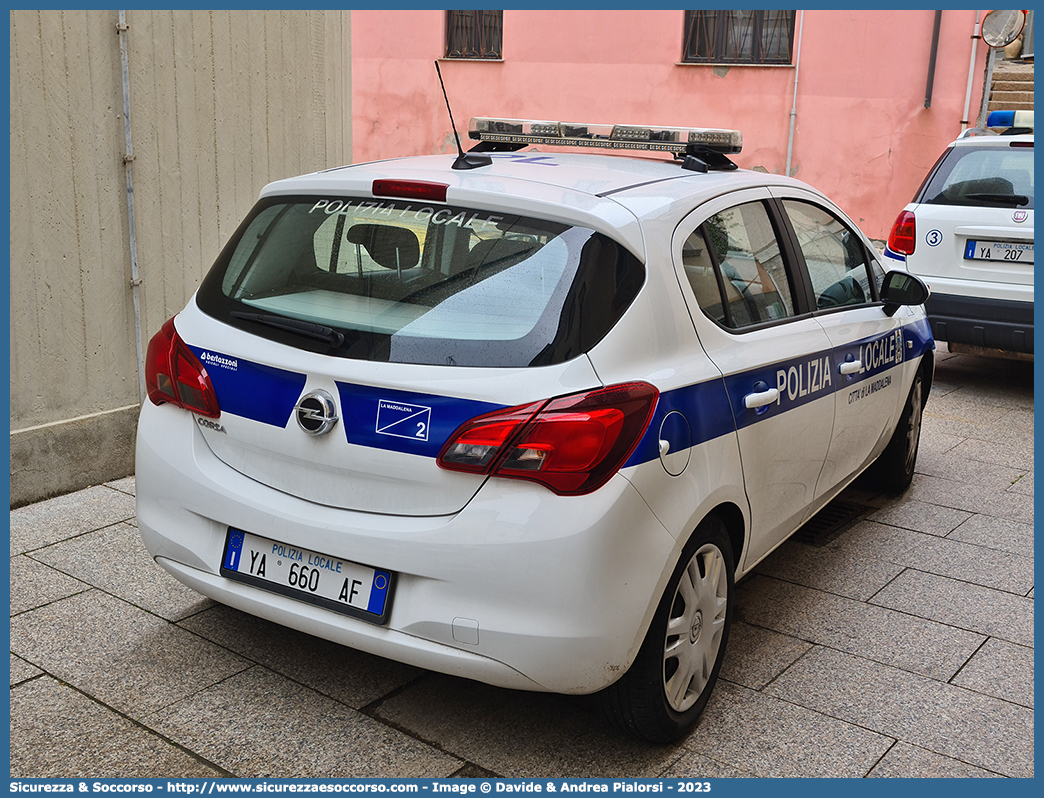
[(464, 160)]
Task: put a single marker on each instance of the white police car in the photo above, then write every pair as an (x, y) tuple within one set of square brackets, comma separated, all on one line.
[(525, 417), (969, 234)]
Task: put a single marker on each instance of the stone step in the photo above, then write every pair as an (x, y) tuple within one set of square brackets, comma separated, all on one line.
[(1011, 96), (1007, 84), (994, 105)]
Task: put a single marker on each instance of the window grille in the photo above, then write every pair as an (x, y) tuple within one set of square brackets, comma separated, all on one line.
[(739, 37), (474, 34)]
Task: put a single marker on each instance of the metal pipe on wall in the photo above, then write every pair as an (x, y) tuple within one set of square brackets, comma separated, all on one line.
[(128, 159), (976, 35), (931, 60), (793, 108)]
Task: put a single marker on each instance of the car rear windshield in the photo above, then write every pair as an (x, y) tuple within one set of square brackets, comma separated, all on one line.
[(404, 282), (982, 176)]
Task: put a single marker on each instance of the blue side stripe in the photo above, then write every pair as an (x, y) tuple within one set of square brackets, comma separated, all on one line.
[(403, 421), (420, 423), (251, 390)]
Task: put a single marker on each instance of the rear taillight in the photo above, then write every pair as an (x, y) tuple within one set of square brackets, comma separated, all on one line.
[(903, 237), (174, 374), (572, 445)]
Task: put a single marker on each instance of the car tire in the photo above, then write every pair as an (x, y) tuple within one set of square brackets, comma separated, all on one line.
[(894, 469), (670, 681)]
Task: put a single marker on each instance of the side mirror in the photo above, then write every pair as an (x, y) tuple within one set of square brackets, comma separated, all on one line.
[(902, 288), (1001, 28)]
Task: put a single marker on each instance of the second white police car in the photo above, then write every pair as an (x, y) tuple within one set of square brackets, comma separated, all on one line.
[(525, 417)]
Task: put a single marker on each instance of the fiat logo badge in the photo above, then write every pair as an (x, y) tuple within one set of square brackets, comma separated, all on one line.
[(1020, 216), (316, 412)]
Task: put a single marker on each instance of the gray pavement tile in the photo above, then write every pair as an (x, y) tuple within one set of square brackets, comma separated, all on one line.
[(970, 458), (989, 567), (22, 670), (920, 517), (944, 415), (125, 485), (704, 767), (57, 732), (756, 656), (1002, 670), (125, 657), (982, 731), (115, 560), (772, 738), (1023, 485), (844, 571), (41, 524), (906, 761), (996, 533), (936, 442), (34, 584), (962, 496), (258, 724), (960, 407), (960, 466), (520, 735), (352, 677), (993, 613), (896, 638)]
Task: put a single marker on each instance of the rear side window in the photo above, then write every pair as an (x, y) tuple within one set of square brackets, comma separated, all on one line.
[(402, 282), (735, 268), (971, 176)]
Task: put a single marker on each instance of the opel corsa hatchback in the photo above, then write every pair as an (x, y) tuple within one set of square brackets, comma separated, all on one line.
[(968, 233), (526, 417)]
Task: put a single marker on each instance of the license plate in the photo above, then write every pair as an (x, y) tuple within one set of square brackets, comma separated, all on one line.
[(335, 584), (1003, 251)]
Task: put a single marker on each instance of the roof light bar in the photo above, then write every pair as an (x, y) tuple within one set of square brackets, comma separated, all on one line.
[(1010, 119), (613, 137)]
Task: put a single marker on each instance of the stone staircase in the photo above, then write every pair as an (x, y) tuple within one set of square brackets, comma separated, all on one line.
[(1012, 86)]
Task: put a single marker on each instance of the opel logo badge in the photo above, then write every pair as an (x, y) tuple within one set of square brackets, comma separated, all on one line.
[(316, 412)]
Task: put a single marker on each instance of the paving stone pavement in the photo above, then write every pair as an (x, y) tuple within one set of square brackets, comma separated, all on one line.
[(901, 646)]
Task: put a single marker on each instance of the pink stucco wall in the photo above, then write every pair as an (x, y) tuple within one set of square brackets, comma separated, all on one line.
[(862, 134)]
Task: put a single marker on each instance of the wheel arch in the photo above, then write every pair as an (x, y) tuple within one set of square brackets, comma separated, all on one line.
[(928, 373), (732, 517)]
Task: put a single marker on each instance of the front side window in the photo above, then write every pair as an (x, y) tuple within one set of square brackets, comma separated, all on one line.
[(738, 37), (474, 34), (836, 260), (408, 283), (734, 266), (987, 176)]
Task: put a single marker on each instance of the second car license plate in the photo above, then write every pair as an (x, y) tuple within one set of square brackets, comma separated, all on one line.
[(1004, 251), (305, 575)]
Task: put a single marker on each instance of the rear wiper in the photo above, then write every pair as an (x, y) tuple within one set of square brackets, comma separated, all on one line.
[(314, 331), (1001, 199)]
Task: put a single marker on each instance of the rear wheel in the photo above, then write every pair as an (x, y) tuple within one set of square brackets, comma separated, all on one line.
[(670, 681), (894, 469)]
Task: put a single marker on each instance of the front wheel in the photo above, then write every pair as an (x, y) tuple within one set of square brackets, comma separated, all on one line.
[(671, 679), (894, 469)]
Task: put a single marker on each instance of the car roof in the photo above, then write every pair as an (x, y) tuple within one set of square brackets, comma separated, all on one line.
[(600, 175), (1001, 140), (608, 193)]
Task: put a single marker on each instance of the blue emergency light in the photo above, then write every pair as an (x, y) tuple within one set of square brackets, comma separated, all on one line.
[(1010, 119)]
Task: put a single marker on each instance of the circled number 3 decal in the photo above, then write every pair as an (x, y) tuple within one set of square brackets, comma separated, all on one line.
[(934, 238)]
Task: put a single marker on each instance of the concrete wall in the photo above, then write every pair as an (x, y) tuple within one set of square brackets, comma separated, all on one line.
[(222, 102), (863, 135)]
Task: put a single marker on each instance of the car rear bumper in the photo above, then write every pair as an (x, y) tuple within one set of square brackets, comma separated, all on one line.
[(521, 589), (987, 323)]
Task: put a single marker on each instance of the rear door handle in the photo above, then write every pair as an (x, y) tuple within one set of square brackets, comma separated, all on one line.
[(850, 367), (761, 397)]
